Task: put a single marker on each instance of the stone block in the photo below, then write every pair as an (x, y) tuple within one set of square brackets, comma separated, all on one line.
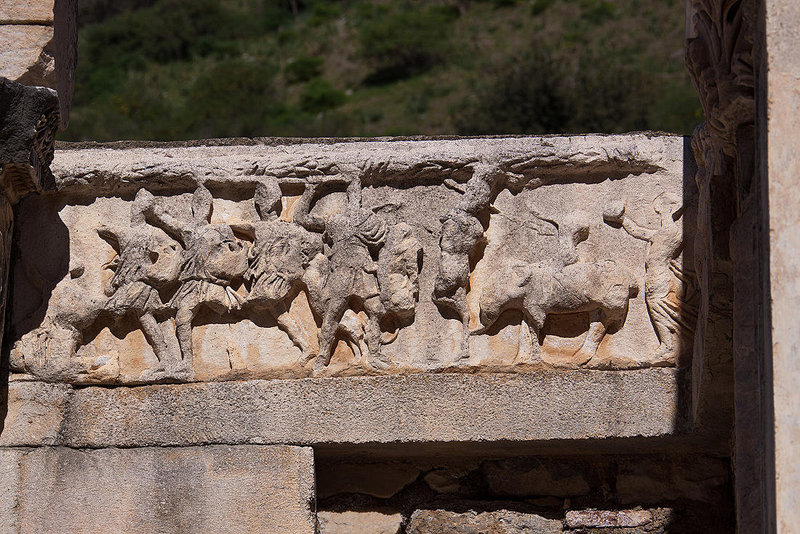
[(25, 57), (351, 522), (10, 488), (649, 480), (197, 489), (443, 408), (520, 477), (35, 413), (496, 522), (26, 11), (608, 518)]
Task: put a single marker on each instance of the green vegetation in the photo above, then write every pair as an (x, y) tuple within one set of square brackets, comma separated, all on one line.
[(179, 69)]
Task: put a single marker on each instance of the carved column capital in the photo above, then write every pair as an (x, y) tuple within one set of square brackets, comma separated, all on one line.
[(29, 118)]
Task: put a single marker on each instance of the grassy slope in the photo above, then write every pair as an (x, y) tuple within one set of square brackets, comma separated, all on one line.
[(165, 72)]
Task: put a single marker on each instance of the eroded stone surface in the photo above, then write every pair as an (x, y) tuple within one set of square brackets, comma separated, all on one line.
[(359, 523), (496, 522), (196, 489), (608, 518), (233, 262), (10, 488), (26, 11), (35, 413), (26, 57), (391, 409)]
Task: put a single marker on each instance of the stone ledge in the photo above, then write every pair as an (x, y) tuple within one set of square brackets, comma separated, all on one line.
[(121, 168), (440, 408)]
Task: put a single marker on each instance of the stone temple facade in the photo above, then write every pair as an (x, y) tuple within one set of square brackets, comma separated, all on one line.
[(584, 334)]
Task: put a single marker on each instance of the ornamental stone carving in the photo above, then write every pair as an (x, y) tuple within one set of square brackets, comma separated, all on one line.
[(219, 263)]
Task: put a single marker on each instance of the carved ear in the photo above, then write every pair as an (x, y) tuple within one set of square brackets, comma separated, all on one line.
[(202, 204)]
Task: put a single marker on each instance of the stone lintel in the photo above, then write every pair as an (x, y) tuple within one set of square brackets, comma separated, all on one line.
[(387, 410)]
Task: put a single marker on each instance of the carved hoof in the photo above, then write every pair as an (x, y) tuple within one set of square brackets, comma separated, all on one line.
[(182, 371), (665, 356), (582, 357), (154, 374), (379, 364), (306, 357)]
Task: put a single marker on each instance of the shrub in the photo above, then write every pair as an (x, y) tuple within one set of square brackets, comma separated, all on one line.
[(303, 69), (319, 96), (407, 42)]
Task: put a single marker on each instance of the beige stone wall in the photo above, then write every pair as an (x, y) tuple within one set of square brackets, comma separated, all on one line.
[(781, 131)]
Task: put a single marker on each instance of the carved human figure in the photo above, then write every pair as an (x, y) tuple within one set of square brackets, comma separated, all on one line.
[(146, 262), (461, 234), (212, 260), (666, 285), (562, 285), (278, 259), (398, 271), (347, 271)]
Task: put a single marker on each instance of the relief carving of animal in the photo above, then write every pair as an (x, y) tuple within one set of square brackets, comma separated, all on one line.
[(563, 285)]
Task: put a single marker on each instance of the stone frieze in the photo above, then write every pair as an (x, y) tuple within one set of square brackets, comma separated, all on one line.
[(169, 263)]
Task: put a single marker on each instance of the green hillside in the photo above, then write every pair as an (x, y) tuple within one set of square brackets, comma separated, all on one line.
[(180, 69)]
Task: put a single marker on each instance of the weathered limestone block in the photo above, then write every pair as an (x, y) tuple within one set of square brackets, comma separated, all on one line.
[(359, 523), (422, 408), (34, 414), (10, 488), (495, 522), (39, 40), (27, 12), (25, 57), (196, 489), (608, 518), (210, 263)]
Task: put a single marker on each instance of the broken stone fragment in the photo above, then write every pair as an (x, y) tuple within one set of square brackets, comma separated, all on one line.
[(608, 518), (28, 121), (495, 522), (351, 522)]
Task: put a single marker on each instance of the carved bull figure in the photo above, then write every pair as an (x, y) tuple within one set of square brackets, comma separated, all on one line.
[(603, 291), (563, 285)]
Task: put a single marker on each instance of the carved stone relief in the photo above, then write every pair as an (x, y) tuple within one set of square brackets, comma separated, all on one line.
[(365, 258)]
